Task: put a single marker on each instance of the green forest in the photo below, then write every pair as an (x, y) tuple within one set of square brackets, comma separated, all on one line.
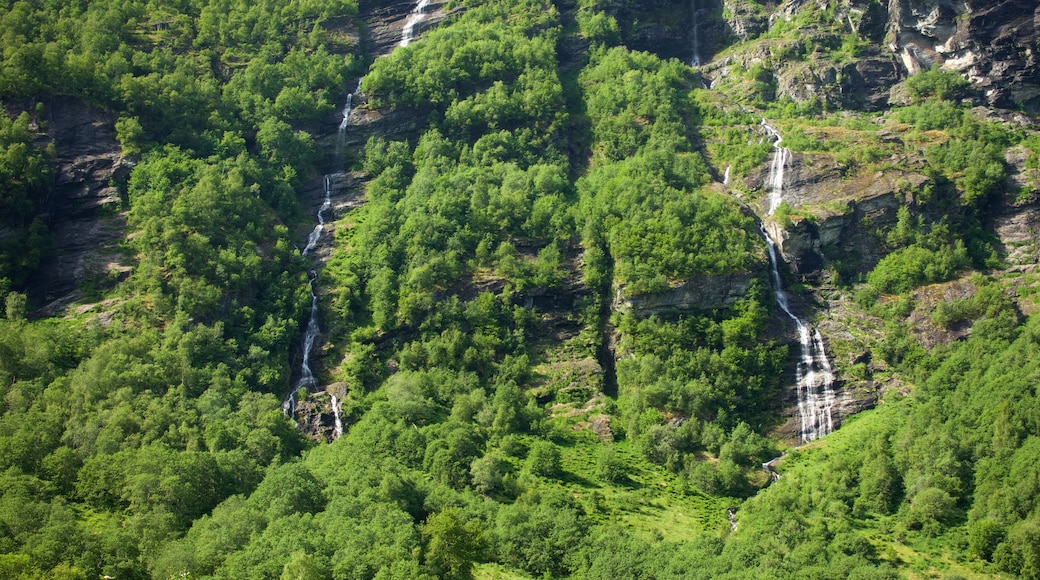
[(549, 328)]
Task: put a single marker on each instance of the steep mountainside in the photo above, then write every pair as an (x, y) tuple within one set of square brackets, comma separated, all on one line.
[(519, 288)]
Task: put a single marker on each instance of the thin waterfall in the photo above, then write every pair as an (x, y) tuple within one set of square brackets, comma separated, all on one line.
[(414, 19), (814, 374), (775, 181), (696, 60), (725, 176), (326, 204), (310, 336), (337, 429), (347, 108)]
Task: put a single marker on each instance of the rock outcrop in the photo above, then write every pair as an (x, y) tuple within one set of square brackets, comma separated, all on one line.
[(835, 215), (993, 44), (314, 414), (702, 293), (84, 209), (1017, 220)]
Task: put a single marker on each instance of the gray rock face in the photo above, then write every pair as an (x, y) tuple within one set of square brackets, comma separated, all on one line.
[(743, 22), (993, 44), (1017, 222), (844, 211), (84, 209), (704, 293), (866, 84)]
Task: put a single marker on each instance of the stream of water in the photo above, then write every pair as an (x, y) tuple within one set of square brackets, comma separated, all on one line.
[(814, 374), (696, 60), (310, 336), (414, 20), (307, 379)]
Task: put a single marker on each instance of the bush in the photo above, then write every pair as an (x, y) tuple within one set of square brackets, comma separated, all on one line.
[(609, 466), (544, 459), (938, 84)]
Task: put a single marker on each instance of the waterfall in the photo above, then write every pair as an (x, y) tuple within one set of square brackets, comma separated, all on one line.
[(326, 204), (310, 335), (775, 181), (725, 176), (337, 431), (696, 61), (814, 374), (347, 108), (414, 19)]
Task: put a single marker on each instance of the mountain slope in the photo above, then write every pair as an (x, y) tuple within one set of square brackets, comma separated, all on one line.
[(552, 335)]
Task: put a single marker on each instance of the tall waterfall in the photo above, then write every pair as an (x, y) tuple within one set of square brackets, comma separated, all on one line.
[(814, 374), (696, 60), (310, 336), (414, 19)]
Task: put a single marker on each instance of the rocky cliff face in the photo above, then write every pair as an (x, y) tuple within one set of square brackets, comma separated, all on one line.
[(1017, 222), (703, 293), (843, 212), (84, 209), (993, 44)]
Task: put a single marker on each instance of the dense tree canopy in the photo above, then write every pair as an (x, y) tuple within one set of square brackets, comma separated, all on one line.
[(503, 415)]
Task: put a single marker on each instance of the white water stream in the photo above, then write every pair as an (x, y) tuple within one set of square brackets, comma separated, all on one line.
[(696, 60), (310, 336), (337, 430), (814, 374), (775, 181), (414, 20)]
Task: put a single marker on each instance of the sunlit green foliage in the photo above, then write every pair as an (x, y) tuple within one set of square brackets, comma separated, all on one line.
[(148, 440)]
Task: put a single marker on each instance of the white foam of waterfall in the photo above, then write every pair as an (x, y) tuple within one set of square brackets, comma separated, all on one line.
[(725, 176), (337, 430), (326, 205), (347, 108), (814, 374), (775, 181), (414, 19), (696, 60)]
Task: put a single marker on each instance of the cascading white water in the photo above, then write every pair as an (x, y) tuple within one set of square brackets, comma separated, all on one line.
[(347, 108), (775, 181), (326, 204), (696, 60), (725, 176), (337, 429), (814, 374), (310, 336), (414, 19)]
